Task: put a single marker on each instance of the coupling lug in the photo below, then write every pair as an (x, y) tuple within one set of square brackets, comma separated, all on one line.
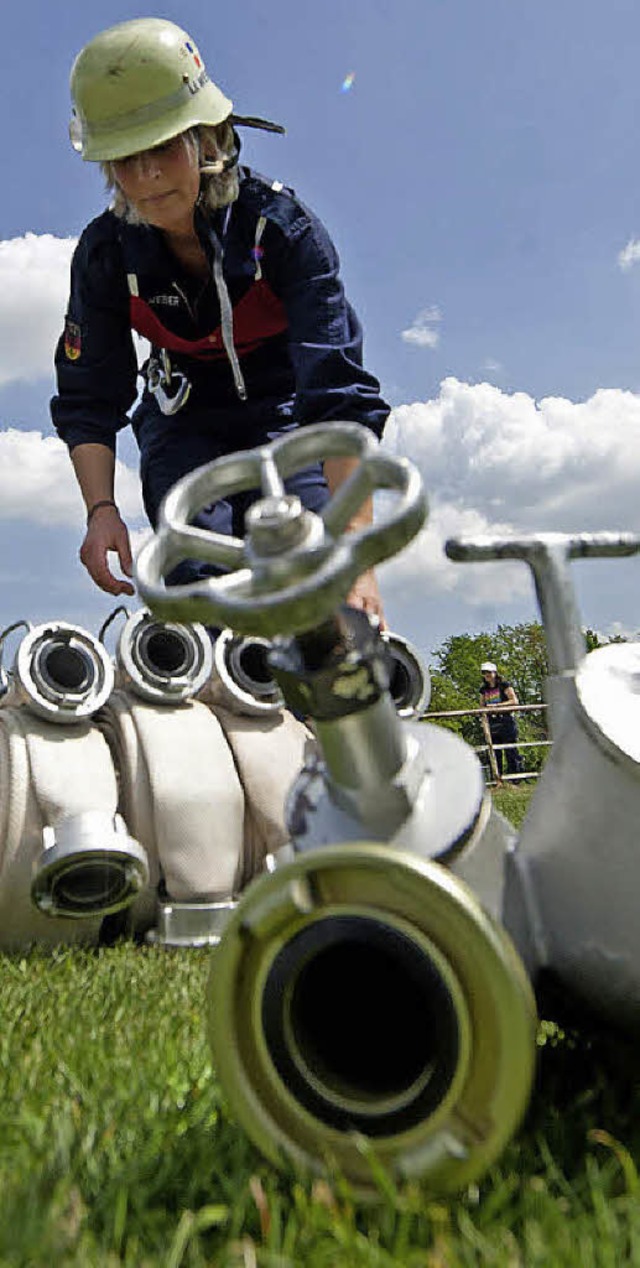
[(277, 908)]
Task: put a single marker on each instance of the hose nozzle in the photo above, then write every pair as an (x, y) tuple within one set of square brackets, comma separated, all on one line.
[(90, 866), (360, 992), (409, 681), (60, 672), (162, 662)]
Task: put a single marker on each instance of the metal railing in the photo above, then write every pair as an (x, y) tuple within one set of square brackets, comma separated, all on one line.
[(489, 749)]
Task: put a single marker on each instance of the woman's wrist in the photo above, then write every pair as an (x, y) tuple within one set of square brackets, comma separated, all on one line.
[(97, 506)]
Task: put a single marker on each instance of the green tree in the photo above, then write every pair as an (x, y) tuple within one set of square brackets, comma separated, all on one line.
[(593, 640)]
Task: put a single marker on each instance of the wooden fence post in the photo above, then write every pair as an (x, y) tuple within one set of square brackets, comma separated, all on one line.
[(493, 765)]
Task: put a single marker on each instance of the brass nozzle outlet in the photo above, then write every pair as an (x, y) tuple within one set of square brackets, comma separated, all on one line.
[(362, 999)]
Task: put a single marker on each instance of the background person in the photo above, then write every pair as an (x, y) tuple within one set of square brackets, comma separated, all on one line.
[(495, 694), (232, 279)]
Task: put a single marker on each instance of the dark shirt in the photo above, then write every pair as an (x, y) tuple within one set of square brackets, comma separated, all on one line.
[(496, 695), (297, 339)]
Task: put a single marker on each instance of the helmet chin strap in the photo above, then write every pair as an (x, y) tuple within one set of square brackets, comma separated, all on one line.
[(253, 121)]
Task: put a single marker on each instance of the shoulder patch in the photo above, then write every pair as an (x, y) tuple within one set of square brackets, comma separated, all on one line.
[(72, 340)]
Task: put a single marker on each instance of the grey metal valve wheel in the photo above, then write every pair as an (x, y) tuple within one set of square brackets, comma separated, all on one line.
[(294, 567)]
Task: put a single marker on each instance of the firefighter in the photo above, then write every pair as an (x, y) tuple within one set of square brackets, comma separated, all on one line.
[(232, 279)]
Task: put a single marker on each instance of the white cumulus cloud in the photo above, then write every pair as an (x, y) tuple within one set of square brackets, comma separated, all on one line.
[(37, 482), (629, 254), (501, 463), (423, 331), (34, 286)]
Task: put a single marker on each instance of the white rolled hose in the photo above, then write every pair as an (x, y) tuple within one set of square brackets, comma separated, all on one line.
[(47, 774), (269, 753), (180, 796)]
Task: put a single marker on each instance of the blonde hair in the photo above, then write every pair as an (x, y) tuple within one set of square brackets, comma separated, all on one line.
[(215, 148)]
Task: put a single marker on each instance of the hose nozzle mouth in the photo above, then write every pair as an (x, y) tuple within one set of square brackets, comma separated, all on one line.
[(90, 866), (61, 673), (163, 662), (242, 676), (362, 1024)]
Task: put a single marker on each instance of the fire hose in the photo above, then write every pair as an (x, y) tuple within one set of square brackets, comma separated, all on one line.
[(56, 784)]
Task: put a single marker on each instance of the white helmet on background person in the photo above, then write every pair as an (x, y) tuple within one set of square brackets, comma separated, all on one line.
[(488, 667)]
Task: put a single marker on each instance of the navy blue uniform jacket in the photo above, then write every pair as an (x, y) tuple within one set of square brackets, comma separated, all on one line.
[(297, 339)]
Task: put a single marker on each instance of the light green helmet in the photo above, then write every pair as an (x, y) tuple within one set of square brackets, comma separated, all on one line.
[(138, 84)]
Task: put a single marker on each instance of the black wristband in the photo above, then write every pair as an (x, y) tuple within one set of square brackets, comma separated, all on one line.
[(96, 506)]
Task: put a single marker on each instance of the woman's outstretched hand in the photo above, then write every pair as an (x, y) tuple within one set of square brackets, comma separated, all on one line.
[(106, 532)]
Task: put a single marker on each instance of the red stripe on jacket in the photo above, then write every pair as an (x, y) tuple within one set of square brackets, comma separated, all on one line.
[(259, 315)]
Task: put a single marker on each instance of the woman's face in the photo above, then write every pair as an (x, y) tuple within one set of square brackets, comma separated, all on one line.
[(489, 677), (162, 184)]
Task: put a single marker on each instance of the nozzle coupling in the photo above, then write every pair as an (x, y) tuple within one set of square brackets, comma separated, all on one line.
[(90, 866)]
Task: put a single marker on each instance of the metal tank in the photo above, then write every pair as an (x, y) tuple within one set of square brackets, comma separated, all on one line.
[(570, 901)]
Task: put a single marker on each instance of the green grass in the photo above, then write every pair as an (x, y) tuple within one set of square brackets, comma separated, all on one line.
[(513, 800), (116, 1148)]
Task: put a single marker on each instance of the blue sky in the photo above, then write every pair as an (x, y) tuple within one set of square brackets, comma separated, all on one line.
[(481, 180)]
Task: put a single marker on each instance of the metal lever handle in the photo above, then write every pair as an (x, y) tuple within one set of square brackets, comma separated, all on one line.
[(548, 556), (295, 567)]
